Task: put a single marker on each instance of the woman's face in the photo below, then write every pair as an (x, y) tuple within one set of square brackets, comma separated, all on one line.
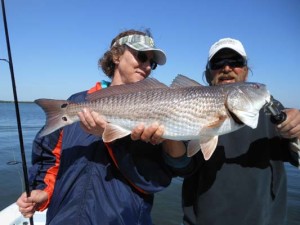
[(129, 68)]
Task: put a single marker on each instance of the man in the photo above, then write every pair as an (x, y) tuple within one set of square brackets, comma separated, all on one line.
[(244, 182)]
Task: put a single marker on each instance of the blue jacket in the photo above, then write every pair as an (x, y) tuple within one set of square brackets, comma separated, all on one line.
[(90, 182)]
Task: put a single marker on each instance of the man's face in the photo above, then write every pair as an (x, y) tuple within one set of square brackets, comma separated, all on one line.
[(227, 66)]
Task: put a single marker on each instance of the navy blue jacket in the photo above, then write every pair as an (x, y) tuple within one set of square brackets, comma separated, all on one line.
[(88, 185)]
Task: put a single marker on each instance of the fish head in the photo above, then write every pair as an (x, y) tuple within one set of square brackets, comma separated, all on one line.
[(245, 99)]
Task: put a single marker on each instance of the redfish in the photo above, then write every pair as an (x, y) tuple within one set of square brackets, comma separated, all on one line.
[(186, 109)]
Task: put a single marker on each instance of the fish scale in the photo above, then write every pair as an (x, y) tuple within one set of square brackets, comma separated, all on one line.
[(196, 113)]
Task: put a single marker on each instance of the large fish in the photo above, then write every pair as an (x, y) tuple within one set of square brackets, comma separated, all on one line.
[(186, 109)]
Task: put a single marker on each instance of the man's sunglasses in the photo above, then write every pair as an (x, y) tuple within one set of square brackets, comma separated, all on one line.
[(216, 65)]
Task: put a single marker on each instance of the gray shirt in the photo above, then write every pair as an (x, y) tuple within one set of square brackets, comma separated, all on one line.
[(244, 182)]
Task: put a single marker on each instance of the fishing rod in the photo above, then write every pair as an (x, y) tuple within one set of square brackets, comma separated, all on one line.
[(10, 62), (277, 116)]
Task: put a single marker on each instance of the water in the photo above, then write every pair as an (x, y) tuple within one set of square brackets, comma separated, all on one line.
[(11, 173), (167, 207)]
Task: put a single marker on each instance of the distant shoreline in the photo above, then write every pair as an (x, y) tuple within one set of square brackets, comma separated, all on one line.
[(4, 101)]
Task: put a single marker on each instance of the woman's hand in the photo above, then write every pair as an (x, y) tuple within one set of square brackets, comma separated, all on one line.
[(152, 133), (28, 205), (92, 122)]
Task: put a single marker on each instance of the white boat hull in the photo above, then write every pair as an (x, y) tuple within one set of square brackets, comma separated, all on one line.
[(11, 216)]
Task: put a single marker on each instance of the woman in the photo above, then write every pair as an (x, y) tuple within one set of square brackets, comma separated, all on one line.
[(80, 179)]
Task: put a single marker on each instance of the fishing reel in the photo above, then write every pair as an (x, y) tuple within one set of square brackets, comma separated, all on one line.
[(277, 116)]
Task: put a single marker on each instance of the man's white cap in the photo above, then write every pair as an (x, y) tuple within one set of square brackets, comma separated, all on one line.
[(230, 43)]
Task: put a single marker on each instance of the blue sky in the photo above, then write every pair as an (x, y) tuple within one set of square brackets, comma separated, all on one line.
[(56, 43)]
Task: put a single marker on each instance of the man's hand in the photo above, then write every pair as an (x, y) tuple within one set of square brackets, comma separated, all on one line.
[(290, 128)]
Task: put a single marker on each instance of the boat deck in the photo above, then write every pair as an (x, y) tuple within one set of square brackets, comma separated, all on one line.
[(11, 216)]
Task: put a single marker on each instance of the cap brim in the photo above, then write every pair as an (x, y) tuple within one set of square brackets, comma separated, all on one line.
[(159, 56), (237, 52)]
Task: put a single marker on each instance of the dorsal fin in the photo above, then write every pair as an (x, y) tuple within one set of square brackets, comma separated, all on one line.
[(183, 81), (146, 84)]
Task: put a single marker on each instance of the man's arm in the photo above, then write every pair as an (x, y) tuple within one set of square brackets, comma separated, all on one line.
[(290, 129)]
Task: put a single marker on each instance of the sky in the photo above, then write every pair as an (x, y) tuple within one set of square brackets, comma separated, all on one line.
[(56, 44)]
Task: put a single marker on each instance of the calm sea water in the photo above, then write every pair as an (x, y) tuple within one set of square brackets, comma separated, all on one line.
[(167, 208)]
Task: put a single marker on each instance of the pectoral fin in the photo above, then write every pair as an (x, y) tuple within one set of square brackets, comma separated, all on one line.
[(208, 146), (193, 148), (113, 132), (249, 118), (218, 122)]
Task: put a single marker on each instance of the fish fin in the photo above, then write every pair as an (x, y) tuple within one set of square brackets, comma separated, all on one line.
[(248, 118), (193, 147), (208, 146), (56, 115), (113, 132), (146, 84), (217, 122), (183, 81)]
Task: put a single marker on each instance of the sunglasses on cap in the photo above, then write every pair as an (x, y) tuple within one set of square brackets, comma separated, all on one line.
[(219, 64)]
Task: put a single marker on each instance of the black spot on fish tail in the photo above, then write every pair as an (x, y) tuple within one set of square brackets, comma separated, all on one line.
[(64, 105), (56, 114)]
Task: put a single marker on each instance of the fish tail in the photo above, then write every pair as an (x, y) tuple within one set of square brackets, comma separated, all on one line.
[(56, 114)]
